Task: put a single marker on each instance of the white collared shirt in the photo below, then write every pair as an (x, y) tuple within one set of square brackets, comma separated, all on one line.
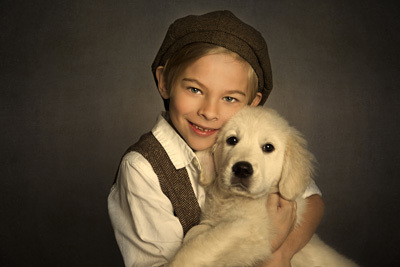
[(146, 230)]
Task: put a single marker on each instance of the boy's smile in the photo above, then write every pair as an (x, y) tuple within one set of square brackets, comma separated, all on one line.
[(202, 131), (205, 96)]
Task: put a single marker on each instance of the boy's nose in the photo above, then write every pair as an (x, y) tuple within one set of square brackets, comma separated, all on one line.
[(209, 111)]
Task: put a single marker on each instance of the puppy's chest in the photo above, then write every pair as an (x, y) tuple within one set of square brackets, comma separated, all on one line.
[(240, 210)]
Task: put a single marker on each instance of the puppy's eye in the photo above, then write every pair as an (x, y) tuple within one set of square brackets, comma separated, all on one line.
[(268, 148), (232, 140)]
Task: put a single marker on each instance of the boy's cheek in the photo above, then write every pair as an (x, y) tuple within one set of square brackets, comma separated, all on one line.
[(182, 100)]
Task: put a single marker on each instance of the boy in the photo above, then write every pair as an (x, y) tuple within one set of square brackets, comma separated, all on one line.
[(208, 68)]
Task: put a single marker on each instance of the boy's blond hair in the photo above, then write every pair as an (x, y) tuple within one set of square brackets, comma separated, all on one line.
[(190, 53)]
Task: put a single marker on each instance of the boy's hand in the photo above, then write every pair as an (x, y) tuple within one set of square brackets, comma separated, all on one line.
[(282, 214)]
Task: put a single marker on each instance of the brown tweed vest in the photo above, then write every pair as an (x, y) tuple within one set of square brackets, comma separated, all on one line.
[(174, 183)]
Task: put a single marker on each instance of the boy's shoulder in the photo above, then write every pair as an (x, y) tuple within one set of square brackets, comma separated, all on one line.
[(147, 145)]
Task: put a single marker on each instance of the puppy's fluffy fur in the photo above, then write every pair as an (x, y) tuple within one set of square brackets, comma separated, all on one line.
[(256, 153)]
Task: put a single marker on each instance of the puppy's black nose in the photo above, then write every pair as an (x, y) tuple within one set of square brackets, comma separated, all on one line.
[(242, 169)]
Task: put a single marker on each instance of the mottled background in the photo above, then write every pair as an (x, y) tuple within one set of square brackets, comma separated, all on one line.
[(76, 90)]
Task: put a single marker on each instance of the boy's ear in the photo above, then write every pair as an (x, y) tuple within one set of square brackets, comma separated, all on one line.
[(256, 100), (161, 82)]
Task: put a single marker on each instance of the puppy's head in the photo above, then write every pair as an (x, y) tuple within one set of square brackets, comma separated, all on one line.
[(257, 153)]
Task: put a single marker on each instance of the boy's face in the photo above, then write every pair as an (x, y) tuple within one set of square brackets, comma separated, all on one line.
[(205, 96)]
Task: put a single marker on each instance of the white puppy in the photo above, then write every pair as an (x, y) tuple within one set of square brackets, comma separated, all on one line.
[(256, 153)]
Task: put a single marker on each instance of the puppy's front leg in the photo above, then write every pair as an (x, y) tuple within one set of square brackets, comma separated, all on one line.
[(225, 244), (203, 247), (195, 231)]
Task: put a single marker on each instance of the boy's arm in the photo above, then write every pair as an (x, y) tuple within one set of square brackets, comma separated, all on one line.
[(145, 227), (300, 235)]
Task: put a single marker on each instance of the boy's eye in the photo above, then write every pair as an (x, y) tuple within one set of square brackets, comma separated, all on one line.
[(195, 90), (230, 99)]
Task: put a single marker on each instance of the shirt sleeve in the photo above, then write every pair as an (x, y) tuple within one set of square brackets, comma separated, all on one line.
[(312, 189), (146, 230)]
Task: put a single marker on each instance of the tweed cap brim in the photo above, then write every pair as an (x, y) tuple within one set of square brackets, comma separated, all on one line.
[(224, 29)]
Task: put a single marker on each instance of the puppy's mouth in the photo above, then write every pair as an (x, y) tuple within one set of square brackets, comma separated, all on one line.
[(239, 187), (242, 184)]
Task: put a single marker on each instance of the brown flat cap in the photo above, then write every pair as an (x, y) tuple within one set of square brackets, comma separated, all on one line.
[(224, 29)]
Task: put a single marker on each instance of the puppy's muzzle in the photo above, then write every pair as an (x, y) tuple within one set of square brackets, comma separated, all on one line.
[(242, 171)]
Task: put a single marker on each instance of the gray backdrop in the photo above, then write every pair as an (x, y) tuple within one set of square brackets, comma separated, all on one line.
[(76, 90)]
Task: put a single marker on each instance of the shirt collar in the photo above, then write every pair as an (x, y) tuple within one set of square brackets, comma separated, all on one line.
[(177, 149)]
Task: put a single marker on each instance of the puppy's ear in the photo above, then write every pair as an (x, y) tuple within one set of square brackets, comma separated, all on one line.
[(297, 167), (206, 159)]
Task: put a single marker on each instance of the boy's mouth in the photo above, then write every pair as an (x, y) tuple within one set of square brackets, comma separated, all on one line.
[(201, 130)]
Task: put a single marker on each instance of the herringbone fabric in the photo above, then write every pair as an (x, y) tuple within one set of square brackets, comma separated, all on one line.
[(174, 183)]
